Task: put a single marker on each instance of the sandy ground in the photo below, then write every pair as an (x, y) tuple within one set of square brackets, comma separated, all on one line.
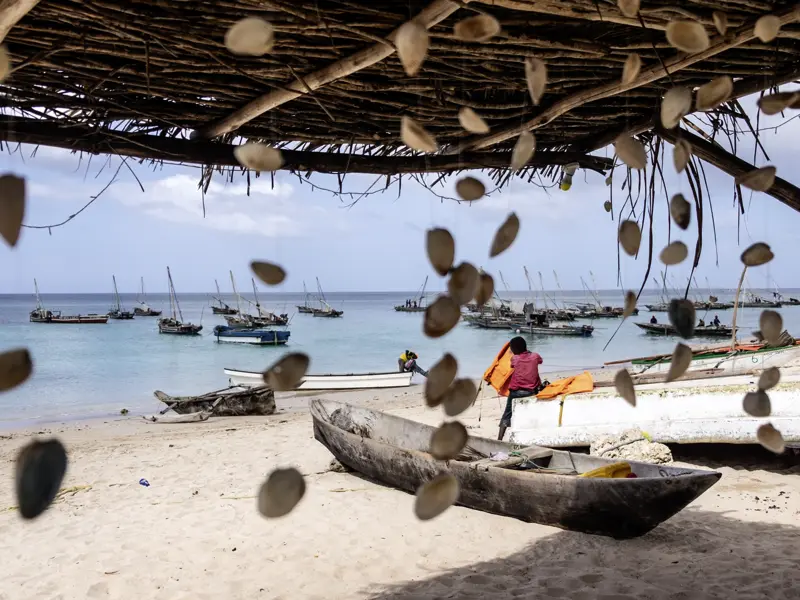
[(195, 532)]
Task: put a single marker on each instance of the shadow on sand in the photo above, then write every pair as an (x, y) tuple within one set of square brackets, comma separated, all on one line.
[(696, 554), (746, 457)]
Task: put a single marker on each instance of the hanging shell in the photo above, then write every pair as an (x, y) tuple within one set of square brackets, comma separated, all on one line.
[(536, 77), (5, 63), (771, 326), (607, 206), (756, 255), (440, 377), (523, 150), (758, 180), (12, 207), (677, 103), (459, 397), (470, 189), (505, 235), (681, 211), (412, 43), (714, 93), (631, 151), (281, 492), (629, 8), (15, 367), (631, 68), (630, 304), (416, 137), (720, 21), (681, 154), (630, 236), (682, 315), (448, 441), (771, 438), (250, 37), (769, 378), (463, 283), (624, 384), (441, 248), (767, 28), (687, 36), (779, 102), (485, 289), (472, 121), (269, 273), (258, 157), (436, 496), (675, 253), (440, 317), (757, 404), (681, 359), (287, 373), (39, 471), (479, 28)]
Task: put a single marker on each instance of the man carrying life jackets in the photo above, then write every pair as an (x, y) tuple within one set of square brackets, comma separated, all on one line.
[(525, 380), (408, 363)]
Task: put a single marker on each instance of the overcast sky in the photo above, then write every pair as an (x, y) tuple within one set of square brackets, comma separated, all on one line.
[(377, 245)]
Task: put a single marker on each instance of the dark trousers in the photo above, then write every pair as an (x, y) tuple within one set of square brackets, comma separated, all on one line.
[(415, 367), (505, 420)]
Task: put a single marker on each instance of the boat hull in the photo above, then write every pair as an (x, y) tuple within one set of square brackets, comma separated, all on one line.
[(256, 337), (737, 363), (235, 401), (349, 381), (180, 329), (392, 450), (667, 329), (141, 312), (566, 331), (223, 311), (73, 320)]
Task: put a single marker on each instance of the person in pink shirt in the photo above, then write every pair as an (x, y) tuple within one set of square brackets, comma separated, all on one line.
[(525, 380)]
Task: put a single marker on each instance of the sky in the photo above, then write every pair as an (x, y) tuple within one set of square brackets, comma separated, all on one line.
[(376, 245)]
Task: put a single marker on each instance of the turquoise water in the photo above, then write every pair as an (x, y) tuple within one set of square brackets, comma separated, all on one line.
[(84, 371)]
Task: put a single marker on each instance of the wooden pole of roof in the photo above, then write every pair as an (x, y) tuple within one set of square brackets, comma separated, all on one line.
[(655, 72), (11, 11), (436, 12)]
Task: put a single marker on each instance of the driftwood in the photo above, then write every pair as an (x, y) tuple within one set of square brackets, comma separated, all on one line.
[(230, 402)]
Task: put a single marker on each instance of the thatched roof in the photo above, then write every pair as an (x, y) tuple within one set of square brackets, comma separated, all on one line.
[(136, 77)]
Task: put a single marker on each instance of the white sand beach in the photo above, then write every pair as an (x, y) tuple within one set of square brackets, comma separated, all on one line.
[(195, 532)]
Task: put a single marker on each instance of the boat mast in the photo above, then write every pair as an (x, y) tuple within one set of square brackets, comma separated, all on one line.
[(39, 304), (236, 294), (116, 293), (305, 295), (255, 295), (530, 287), (175, 297), (422, 293)]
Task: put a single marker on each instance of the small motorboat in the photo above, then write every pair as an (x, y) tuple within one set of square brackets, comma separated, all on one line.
[(257, 337)]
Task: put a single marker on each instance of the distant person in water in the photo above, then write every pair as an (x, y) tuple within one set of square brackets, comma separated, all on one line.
[(525, 380), (653, 320), (407, 363)]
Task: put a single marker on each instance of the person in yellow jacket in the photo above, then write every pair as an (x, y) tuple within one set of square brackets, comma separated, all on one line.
[(408, 363)]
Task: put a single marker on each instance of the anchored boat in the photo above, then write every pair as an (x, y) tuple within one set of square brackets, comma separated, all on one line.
[(700, 332), (257, 337), (116, 311), (143, 309), (40, 314), (175, 325)]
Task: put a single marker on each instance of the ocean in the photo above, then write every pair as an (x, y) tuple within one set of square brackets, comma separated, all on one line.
[(90, 371)]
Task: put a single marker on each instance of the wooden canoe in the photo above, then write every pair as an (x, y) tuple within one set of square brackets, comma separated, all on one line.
[(393, 450), (230, 402)]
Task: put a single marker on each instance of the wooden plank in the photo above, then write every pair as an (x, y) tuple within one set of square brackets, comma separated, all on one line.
[(431, 15), (11, 11)]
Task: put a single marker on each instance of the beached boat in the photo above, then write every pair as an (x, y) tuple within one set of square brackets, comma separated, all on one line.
[(234, 401), (699, 332), (116, 311), (537, 485), (414, 305), (221, 308), (40, 314), (143, 309), (333, 381), (257, 337), (175, 325)]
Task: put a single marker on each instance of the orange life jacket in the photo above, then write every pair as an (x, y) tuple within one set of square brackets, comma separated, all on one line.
[(498, 375)]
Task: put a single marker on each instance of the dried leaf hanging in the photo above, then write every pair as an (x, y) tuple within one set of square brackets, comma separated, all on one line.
[(258, 157), (757, 404), (436, 496), (714, 93), (5, 63), (523, 150), (629, 8), (485, 289), (479, 28), (756, 255), (682, 315), (631, 151), (12, 207), (631, 68), (39, 471), (441, 248), (681, 154), (448, 441), (681, 211), (250, 37), (412, 43), (779, 102), (758, 180), (440, 377), (630, 236), (536, 77), (687, 36), (767, 28), (630, 304), (416, 137), (470, 189), (459, 397), (505, 235), (624, 384), (769, 378), (287, 373), (472, 121), (463, 283), (281, 492), (15, 367), (674, 253), (677, 103), (771, 326), (681, 359), (720, 21), (269, 273), (771, 438), (440, 317)]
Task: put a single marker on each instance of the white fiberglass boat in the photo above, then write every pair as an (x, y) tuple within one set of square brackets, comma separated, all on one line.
[(344, 381)]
